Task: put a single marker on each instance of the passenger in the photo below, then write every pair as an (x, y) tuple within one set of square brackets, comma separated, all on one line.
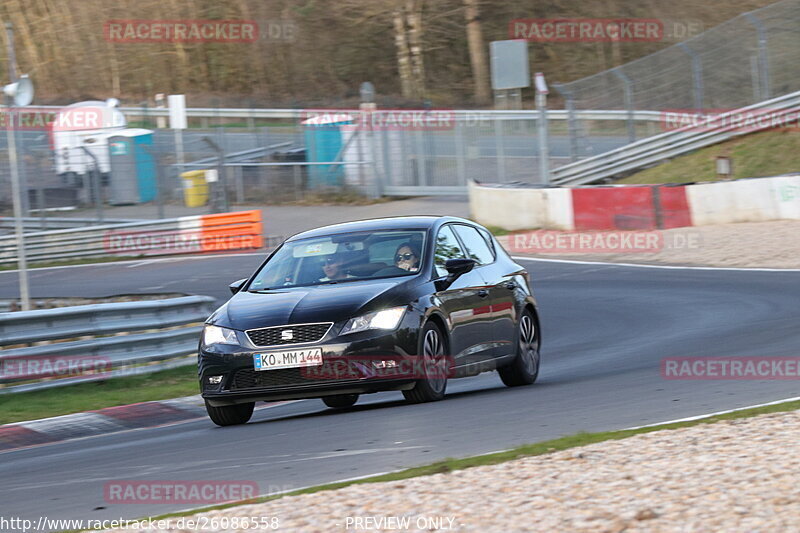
[(407, 257)]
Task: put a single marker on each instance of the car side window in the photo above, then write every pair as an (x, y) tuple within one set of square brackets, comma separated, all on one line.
[(477, 248), (489, 240), (447, 247)]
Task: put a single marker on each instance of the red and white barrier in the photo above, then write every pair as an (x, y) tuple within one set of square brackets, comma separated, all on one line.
[(637, 207)]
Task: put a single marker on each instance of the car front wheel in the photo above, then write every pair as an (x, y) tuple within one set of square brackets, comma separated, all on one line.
[(433, 366), (340, 401), (524, 369), (230, 415)]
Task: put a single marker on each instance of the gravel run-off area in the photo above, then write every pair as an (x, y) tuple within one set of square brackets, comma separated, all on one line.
[(735, 475), (744, 245)]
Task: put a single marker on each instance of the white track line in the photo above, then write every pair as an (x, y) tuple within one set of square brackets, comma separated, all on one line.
[(709, 415), (672, 267)]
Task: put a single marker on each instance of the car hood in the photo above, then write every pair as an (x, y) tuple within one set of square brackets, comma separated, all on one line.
[(303, 305)]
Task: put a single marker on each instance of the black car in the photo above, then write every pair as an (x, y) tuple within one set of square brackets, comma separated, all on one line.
[(386, 304)]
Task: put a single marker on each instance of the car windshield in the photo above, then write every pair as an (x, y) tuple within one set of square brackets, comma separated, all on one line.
[(342, 258)]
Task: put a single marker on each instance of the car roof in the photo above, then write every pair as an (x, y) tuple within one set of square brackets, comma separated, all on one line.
[(379, 224)]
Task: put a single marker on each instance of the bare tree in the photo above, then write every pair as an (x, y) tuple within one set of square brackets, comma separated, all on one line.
[(477, 52), (403, 54), (407, 19)]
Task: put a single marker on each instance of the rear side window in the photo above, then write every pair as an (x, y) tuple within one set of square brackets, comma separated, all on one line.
[(447, 247), (488, 238), (476, 245)]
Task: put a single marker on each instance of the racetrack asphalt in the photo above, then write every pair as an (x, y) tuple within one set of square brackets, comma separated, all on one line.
[(605, 330)]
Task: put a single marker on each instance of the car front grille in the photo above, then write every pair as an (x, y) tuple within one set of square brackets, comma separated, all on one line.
[(252, 379), (300, 334)]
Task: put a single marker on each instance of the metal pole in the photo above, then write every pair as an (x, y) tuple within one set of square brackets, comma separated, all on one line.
[(95, 183), (763, 57), (755, 80), (544, 148), (22, 262), (697, 75), (572, 124), (19, 233), (499, 150), (159, 188), (628, 102), (461, 164), (179, 146), (220, 193)]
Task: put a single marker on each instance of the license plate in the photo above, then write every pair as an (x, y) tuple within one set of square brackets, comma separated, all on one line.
[(287, 359)]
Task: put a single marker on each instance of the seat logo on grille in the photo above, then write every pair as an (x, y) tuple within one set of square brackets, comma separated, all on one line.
[(287, 335)]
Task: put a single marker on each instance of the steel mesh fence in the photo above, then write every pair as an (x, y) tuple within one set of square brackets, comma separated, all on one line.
[(745, 60)]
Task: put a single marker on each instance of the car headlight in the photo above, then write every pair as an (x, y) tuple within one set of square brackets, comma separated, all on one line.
[(386, 319), (218, 335)]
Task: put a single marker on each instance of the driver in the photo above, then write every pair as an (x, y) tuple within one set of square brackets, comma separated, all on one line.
[(332, 268)]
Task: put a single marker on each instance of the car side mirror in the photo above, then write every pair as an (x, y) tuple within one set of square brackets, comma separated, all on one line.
[(459, 267), (236, 286), (455, 269)]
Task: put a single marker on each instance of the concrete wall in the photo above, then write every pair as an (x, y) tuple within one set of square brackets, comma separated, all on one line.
[(522, 208), (637, 207)]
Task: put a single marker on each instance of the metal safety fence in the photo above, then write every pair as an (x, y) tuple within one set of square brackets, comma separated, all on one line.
[(268, 156), (651, 150), (746, 60), (55, 347), (183, 235), (272, 156)]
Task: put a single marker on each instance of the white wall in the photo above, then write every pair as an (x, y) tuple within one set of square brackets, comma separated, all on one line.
[(514, 209), (748, 200)]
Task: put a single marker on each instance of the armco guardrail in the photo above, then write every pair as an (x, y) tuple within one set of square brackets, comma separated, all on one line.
[(115, 349), (184, 235), (51, 223), (670, 144), (470, 114)]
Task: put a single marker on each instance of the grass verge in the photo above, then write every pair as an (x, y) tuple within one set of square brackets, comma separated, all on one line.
[(162, 385), (768, 153), (528, 450)]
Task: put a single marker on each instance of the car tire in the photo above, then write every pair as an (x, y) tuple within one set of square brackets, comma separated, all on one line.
[(230, 415), (340, 401), (433, 351), (524, 369)]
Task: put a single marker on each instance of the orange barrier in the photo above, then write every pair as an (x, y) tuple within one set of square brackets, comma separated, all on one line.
[(189, 235), (232, 231)]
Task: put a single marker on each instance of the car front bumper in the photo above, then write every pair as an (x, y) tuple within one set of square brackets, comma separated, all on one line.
[(360, 363)]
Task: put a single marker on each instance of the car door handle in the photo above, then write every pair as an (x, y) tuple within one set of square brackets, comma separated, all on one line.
[(483, 293)]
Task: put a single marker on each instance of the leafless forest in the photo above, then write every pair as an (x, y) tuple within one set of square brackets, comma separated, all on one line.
[(412, 50)]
